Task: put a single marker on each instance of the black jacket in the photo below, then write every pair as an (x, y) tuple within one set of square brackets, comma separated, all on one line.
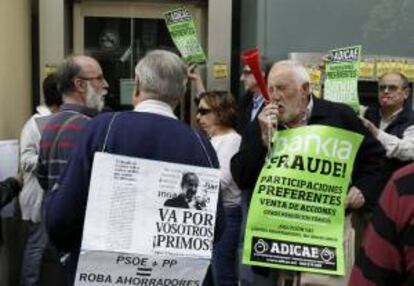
[(245, 110), (397, 128), (247, 163), (9, 188)]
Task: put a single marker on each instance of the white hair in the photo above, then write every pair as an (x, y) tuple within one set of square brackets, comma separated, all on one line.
[(162, 75), (94, 99), (299, 71)]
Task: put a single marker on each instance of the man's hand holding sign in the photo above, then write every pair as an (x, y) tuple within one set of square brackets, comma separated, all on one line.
[(297, 212)]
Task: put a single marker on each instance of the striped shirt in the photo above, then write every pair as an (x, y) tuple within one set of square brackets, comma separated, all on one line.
[(61, 134), (387, 253)]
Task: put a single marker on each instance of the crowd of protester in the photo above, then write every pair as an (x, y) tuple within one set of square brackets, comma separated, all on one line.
[(58, 143)]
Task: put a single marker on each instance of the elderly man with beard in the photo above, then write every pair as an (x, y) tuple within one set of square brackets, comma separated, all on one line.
[(83, 86)]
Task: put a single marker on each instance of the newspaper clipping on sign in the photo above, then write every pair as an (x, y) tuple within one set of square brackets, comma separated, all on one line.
[(147, 223)]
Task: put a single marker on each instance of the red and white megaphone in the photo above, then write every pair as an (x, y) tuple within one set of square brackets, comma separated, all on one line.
[(252, 59)]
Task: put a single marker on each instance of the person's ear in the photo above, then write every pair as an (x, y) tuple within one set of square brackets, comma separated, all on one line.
[(306, 88), (79, 84), (407, 93), (135, 93)]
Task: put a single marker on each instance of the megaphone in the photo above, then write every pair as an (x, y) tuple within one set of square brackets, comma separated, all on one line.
[(252, 59)]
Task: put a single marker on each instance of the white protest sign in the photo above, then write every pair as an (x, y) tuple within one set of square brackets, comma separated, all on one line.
[(108, 268), (9, 162), (130, 213)]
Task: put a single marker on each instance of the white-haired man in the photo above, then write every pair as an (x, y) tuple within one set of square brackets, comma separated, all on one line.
[(292, 105), (147, 132)]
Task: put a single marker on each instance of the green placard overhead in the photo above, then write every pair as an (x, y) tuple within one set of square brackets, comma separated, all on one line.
[(341, 80), (182, 30), (296, 215)]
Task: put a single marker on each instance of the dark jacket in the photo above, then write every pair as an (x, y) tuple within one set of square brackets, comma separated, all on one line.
[(403, 120), (9, 189), (177, 202), (245, 110), (248, 130), (135, 134), (247, 163)]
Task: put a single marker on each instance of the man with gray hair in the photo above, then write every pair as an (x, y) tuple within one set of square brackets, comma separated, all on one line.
[(81, 82), (83, 87), (292, 105), (147, 132)]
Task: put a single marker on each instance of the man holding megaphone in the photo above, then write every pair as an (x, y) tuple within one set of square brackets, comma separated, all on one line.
[(291, 105)]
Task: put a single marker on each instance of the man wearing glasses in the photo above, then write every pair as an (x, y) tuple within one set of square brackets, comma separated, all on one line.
[(250, 105), (252, 101), (83, 86), (392, 122)]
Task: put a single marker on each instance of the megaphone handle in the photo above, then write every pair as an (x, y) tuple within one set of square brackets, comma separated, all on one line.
[(271, 131)]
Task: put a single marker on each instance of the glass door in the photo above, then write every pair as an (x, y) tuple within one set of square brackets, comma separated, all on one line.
[(118, 43), (118, 35)]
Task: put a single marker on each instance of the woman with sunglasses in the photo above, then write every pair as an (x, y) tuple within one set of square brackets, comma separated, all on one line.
[(216, 116)]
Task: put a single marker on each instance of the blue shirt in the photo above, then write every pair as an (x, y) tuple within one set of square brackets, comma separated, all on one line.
[(257, 101)]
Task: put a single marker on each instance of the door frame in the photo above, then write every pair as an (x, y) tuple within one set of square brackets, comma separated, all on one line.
[(132, 9), (143, 10)]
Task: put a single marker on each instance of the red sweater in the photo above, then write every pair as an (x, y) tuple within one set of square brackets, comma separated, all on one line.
[(387, 253)]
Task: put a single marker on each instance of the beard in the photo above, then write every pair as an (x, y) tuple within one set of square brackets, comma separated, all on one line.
[(94, 100)]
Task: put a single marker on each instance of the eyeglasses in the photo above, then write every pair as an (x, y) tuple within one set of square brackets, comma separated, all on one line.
[(388, 87), (203, 111), (99, 77)]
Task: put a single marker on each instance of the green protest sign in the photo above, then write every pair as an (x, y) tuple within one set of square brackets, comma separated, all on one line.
[(296, 214), (341, 78), (182, 30)]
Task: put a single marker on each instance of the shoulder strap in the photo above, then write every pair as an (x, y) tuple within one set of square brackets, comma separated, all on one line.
[(42, 121), (204, 148), (109, 130)]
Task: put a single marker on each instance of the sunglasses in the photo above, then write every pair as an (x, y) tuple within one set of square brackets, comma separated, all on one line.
[(203, 111), (388, 87)]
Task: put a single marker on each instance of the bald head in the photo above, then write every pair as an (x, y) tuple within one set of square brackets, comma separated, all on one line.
[(87, 64)]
